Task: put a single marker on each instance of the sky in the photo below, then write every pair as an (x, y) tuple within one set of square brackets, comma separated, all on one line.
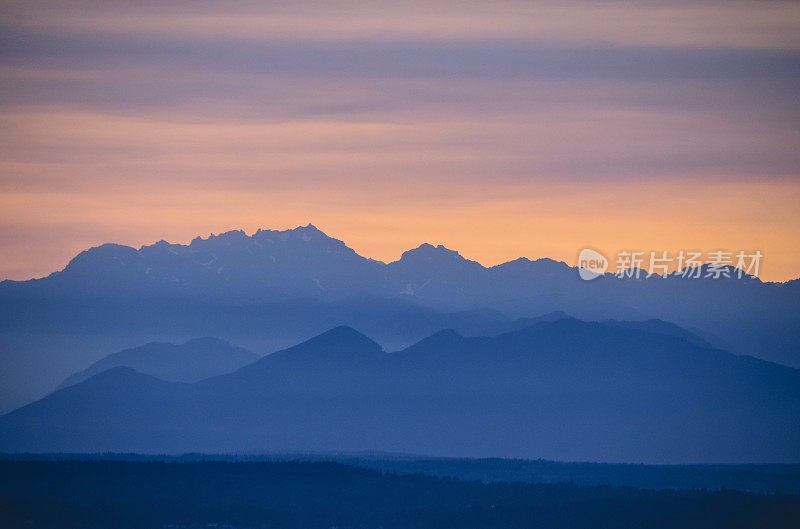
[(500, 129)]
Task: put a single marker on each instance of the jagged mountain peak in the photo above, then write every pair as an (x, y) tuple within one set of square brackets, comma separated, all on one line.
[(715, 272), (427, 249), (231, 234), (541, 265), (301, 261), (428, 254)]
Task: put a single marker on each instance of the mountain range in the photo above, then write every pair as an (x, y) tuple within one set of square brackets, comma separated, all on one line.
[(564, 389), (274, 288)]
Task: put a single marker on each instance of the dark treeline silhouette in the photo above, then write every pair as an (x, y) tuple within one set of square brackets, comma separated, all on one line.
[(784, 479), (94, 494), (766, 479)]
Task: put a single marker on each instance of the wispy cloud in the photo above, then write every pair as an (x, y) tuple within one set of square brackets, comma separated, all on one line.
[(207, 117)]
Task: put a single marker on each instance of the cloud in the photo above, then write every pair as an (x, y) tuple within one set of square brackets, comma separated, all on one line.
[(759, 24), (389, 121)]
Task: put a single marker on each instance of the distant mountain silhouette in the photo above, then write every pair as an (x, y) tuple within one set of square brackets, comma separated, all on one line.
[(280, 287), (661, 327), (522, 323), (304, 260), (566, 390), (188, 362)]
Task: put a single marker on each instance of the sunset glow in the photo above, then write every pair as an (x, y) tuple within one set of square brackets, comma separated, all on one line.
[(503, 130)]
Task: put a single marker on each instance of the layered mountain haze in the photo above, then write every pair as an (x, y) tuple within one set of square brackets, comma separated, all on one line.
[(188, 362), (566, 390), (271, 289)]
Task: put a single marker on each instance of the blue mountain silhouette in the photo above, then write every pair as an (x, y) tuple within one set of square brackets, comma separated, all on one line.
[(188, 362), (281, 287), (566, 389)]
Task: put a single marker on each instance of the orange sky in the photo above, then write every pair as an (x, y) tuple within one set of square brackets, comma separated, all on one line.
[(525, 130)]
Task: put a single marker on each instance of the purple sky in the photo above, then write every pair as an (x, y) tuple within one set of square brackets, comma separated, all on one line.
[(500, 129)]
